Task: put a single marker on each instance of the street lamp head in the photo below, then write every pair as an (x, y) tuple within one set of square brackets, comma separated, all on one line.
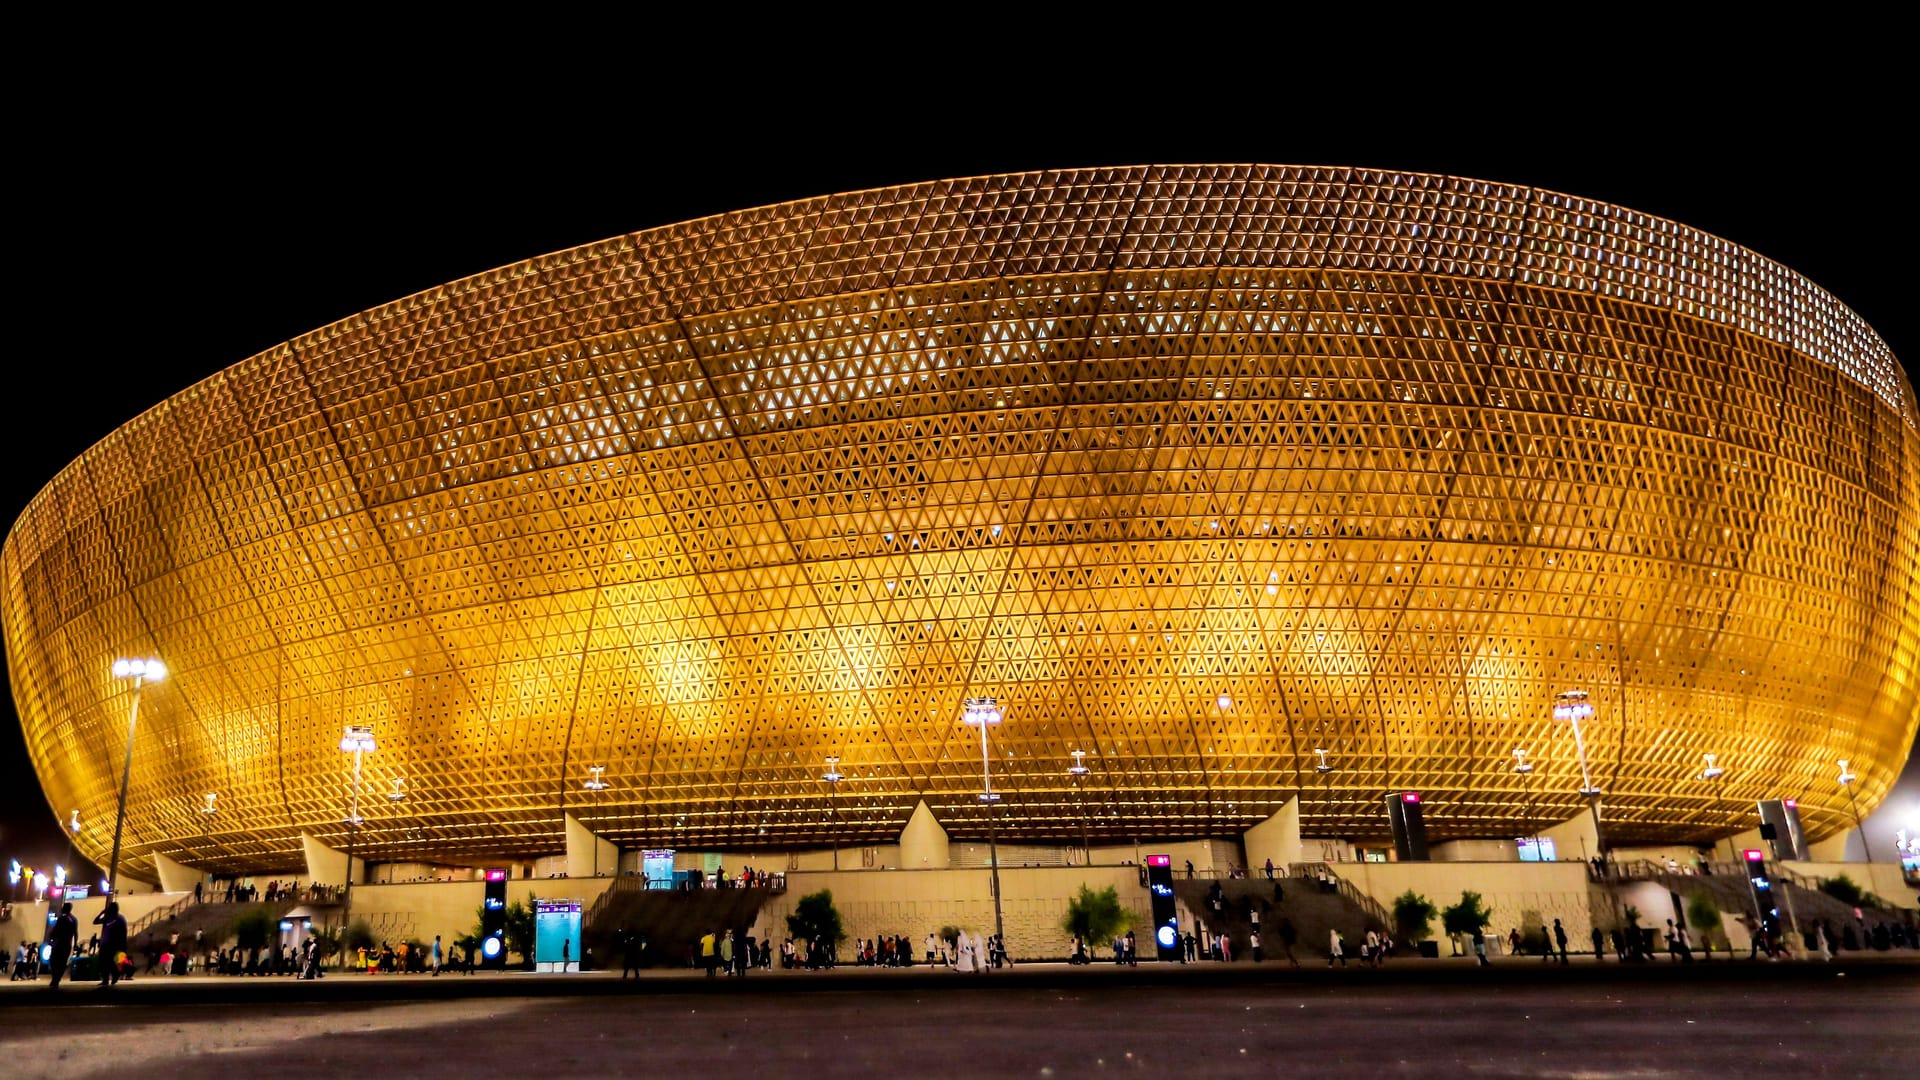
[(148, 668), (1846, 775), (1520, 763), (597, 783), (399, 793), (1322, 766), (1572, 705), (981, 710), (209, 808), (1712, 771), (1079, 766), (357, 737), (832, 775), (1225, 701), (73, 823)]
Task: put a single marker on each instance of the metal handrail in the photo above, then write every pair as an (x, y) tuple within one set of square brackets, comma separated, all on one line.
[(160, 915), (1373, 908)]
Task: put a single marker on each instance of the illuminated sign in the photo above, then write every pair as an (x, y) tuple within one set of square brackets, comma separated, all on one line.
[(496, 875), (1159, 860), (1409, 796)]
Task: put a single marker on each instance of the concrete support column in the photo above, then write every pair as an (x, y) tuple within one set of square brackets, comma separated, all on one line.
[(175, 877), (328, 865), (1574, 839), (1277, 838), (588, 854), (923, 843)]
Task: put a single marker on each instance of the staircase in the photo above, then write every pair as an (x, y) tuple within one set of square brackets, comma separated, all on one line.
[(1731, 892), (673, 920), (1315, 912), (209, 918)]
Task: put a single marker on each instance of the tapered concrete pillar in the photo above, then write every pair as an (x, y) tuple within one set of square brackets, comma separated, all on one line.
[(589, 855), (1573, 839), (175, 877), (1277, 838), (328, 865), (923, 843)]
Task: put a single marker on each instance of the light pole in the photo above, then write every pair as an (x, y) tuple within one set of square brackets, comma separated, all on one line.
[(73, 834), (1572, 706), (983, 712), (832, 777), (1846, 783), (597, 785), (357, 740), (141, 671), (1525, 768), (1078, 770)]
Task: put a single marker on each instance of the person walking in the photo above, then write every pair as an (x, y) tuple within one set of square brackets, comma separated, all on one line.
[(1133, 954), (1269, 869), (930, 949), (66, 928), (1253, 941), (1599, 946), (1826, 943), (113, 942), (435, 957), (1334, 949), (630, 943), (1559, 939), (1480, 946), (709, 952)]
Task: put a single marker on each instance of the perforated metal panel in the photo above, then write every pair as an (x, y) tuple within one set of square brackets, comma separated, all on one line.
[(1195, 469)]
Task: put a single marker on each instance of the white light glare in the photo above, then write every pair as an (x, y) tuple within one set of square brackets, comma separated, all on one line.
[(139, 668), (981, 710), (357, 737)]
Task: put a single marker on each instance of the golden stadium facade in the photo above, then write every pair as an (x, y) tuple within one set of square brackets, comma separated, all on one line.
[(1195, 469)]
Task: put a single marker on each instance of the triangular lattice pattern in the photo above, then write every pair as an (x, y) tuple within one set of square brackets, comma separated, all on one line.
[(1195, 469)]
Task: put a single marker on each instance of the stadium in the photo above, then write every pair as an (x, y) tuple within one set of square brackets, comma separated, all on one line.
[(1230, 485)]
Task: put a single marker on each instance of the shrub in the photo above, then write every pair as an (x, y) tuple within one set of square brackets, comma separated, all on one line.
[(358, 936), (519, 928), (1704, 916), (1466, 916), (1413, 915), (1096, 916), (1843, 889), (252, 929), (814, 918)]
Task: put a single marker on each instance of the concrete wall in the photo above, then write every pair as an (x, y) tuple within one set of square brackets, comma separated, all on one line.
[(1882, 878), (419, 910), (29, 921), (1475, 851), (919, 902), (1515, 892)]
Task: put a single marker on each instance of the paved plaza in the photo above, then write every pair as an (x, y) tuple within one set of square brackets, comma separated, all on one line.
[(1413, 1018)]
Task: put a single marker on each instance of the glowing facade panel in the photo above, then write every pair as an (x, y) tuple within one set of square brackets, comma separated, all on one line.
[(1194, 469)]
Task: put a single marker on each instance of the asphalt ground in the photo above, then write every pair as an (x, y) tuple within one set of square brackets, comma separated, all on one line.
[(1853, 1018)]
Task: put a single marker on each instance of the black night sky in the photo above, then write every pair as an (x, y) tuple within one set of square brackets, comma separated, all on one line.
[(170, 219)]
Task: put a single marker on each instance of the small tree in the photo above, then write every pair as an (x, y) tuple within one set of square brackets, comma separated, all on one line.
[(519, 928), (1413, 915), (252, 928), (1465, 917), (1843, 889), (1096, 916), (326, 940), (1704, 916), (814, 918), (358, 936)]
